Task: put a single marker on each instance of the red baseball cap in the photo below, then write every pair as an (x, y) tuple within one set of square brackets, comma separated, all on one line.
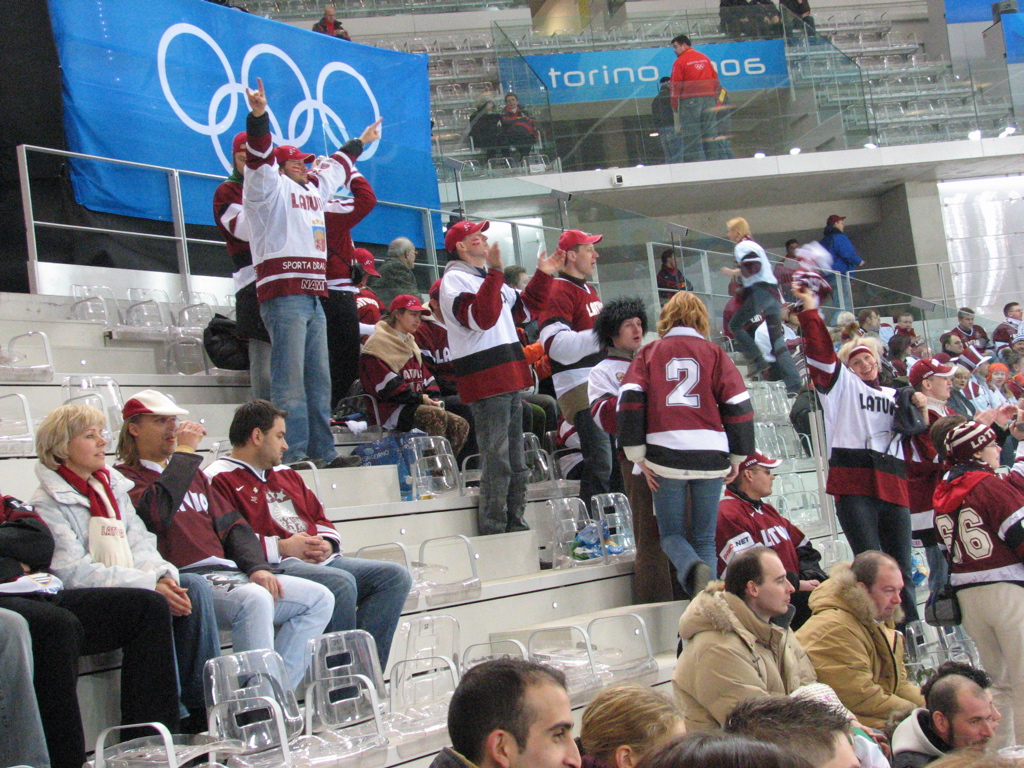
[(435, 291), (460, 230), (288, 152), (406, 301), (364, 259), (758, 459), (573, 237), (926, 368), (238, 143), (833, 219)]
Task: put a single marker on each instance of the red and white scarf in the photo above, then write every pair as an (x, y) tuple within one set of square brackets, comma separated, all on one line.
[(108, 540)]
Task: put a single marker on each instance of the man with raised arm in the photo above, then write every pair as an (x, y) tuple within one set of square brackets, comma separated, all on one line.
[(480, 312), (284, 204)]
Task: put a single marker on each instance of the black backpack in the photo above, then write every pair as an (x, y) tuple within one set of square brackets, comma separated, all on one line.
[(223, 345)]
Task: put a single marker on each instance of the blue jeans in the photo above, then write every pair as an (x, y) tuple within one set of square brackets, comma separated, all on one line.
[(698, 127), (498, 421), (195, 640), (23, 742), (300, 378), (251, 613), (688, 545), (368, 595), (871, 523), (761, 299)]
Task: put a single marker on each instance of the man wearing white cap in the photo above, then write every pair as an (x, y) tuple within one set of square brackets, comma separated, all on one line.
[(567, 333), (745, 520), (480, 312), (199, 533)]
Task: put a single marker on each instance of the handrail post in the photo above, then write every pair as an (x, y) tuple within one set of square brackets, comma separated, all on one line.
[(428, 243), (178, 217), (30, 222)]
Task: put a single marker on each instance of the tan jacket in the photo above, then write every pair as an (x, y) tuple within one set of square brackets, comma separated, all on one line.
[(732, 655), (861, 659)]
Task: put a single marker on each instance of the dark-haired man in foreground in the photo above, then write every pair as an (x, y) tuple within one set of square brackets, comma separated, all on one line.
[(510, 713)]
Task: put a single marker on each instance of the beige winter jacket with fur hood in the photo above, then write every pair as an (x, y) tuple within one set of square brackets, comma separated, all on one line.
[(732, 655), (860, 658)]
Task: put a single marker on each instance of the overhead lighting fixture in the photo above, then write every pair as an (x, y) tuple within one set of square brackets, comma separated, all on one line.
[(639, 165), (795, 151), (760, 155), (1007, 131), (652, 135), (974, 135), (871, 145)]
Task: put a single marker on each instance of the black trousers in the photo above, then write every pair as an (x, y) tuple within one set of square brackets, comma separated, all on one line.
[(79, 622), (342, 341)]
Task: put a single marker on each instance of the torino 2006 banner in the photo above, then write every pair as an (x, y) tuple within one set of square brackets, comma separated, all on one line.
[(163, 82)]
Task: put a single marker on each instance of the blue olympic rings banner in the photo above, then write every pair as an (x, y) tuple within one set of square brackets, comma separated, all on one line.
[(164, 83), (967, 11), (1013, 36), (613, 75)]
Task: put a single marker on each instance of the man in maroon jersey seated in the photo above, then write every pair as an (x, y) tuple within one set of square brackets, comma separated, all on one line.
[(745, 520), (290, 523)]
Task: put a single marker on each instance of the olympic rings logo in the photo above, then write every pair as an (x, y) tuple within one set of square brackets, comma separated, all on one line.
[(308, 107)]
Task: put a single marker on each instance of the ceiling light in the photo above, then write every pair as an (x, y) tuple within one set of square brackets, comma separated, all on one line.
[(652, 135), (759, 155), (1007, 131), (795, 151), (974, 135), (871, 145)]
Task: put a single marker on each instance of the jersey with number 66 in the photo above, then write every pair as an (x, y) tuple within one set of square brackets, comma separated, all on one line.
[(980, 519), (683, 407)]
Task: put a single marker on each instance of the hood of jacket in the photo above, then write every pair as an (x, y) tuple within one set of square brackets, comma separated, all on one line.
[(392, 347), (458, 265), (915, 734), (842, 592), (62, 492), (716, 610), (949, 494)]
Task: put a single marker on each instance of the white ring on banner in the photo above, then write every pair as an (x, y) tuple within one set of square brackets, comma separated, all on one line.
[(161, 63), (233, 88)]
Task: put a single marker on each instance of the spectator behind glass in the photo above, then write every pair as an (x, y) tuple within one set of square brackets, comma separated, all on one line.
[(664, 121), (510, 713), (329, 25), (518, 128), (813, 730), (784, 270), (899, 348), (622, 723), (801, 16), (485, 127), (686, 387), (720, 750), (670, 277)]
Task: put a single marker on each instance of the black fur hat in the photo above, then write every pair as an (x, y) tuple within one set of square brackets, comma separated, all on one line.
[(615, 313)]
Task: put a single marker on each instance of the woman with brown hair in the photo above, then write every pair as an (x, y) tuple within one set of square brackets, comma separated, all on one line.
[(623, 723), (391, 369), (685, 419), (714, 749)]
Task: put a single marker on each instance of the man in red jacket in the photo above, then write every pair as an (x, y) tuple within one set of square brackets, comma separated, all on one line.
[(695, 90)]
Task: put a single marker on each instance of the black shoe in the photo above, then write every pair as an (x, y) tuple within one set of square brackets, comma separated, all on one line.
[(516, 527), (306, 463), (344, 461)]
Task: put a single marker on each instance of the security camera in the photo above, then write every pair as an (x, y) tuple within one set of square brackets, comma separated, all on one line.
[(617, 180)]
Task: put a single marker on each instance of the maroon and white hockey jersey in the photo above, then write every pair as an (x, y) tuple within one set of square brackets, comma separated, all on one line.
[(683, 406), (396, 384), (195, 526), (1003, 334), (924, 470), (432, 338), (566, 330), (741, 525), (276, 502), (980, 519), (865, 457), (287, 224), (977, 337), (480, 312), (369, 307), (341, 217), (603, 389)]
